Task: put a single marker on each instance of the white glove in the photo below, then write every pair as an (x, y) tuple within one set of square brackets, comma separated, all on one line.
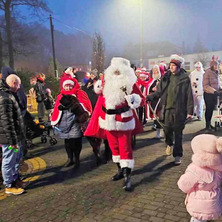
[(98, 87), (129, 99)]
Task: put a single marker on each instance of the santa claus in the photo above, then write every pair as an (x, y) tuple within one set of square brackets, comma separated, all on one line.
[(114, 116)]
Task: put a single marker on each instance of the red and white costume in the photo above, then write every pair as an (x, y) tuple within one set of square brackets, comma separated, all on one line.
[(114, 116), (76, 91)]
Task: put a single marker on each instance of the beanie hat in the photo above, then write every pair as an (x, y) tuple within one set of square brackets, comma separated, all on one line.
[(177, 60), (68, 82), (48, 90)]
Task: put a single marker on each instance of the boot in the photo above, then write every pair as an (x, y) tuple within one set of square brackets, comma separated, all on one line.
[(77, 151), (95, 143), (107, 152), (127, 176), (69, 163), (69, 152), (119, 174)]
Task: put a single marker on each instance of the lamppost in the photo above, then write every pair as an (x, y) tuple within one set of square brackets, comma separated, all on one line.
[(141, 33)]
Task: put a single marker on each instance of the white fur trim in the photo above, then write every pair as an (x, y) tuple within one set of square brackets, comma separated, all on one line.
[(67, 82), (53, 123), (127, 163), (178, 58), (116, 159), (98, 87), (127, 114), (111, 124)]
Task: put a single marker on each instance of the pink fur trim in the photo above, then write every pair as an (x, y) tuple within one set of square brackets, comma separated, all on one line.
[(207, 159)]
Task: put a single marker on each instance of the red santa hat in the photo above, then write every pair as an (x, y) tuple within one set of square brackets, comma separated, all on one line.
[(68, 82), (177, 60)]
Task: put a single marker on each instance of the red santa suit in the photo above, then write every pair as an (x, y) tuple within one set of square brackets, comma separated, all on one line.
[(114, 116)]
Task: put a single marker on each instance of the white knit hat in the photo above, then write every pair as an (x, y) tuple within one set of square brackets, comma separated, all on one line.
[(68, 82)]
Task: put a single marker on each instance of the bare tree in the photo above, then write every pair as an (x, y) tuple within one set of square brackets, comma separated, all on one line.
[(8, 7), (98, 53), (203, 58)]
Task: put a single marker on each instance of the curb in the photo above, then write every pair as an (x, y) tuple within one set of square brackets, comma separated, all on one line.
[(35, 165)]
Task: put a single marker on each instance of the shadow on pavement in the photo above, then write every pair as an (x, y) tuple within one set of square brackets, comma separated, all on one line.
[(154, 173)]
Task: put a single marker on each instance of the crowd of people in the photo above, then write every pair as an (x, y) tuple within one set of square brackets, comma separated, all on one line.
[(114, 107)]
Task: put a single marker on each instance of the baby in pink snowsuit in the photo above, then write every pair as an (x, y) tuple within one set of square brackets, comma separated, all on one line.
[(202, 179)]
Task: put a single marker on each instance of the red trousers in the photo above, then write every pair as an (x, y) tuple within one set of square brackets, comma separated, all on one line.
[(120, 145)]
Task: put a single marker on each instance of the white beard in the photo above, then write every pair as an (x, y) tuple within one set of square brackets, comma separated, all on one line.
[(112, 91)]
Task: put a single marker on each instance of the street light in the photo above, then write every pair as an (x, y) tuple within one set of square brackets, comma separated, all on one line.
[(141, 33)]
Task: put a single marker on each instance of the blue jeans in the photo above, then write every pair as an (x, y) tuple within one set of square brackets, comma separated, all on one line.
[(10, 164)]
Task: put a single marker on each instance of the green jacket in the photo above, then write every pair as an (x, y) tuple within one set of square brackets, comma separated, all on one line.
[(184, 97)]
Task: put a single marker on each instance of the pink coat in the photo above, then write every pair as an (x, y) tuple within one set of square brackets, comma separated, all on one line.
[(201, 182)]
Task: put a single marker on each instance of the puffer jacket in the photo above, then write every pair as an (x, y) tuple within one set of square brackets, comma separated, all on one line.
[(210, 81), (68, 127), (11, 121)]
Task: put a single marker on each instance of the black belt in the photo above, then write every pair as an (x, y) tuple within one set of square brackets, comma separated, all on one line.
[(115, 111)]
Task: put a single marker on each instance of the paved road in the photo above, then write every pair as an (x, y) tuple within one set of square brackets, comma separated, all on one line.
[(88, 194)]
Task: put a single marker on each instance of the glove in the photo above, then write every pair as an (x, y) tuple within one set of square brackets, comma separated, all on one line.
[(216, 93), (129, 99)]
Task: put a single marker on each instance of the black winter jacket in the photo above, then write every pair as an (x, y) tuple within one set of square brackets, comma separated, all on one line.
[(11, 121), (184, 96)]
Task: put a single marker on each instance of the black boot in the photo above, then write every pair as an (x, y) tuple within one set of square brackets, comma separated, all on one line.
[(107, 152), (119, 174), (69, 152), (77, 149), (69, 163), (127, 179), (95, 144)]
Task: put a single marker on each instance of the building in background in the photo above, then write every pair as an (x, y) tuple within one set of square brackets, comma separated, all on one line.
[(190, 60)]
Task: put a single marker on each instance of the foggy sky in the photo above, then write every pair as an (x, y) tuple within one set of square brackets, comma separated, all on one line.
[(118, 21)]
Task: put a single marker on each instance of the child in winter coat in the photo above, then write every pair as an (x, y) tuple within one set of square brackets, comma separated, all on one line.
[(72, 108), (49, 103), (202, 179)]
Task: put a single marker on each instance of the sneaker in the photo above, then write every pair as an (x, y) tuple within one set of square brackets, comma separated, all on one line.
[(169, 150), (177, 160), (158, 134), (14, 190), (199, 118)]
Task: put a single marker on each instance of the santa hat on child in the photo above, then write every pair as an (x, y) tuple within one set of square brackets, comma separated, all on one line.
[(68, 82), (177, 60)]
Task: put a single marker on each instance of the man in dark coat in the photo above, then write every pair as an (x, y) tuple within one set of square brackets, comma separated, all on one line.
[(176, 96), (11, 134)]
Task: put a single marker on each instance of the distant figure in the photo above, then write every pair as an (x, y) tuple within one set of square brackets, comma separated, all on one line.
[(196, 78), (152, 87), (202, 179), (211, 92), (49, 103)]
